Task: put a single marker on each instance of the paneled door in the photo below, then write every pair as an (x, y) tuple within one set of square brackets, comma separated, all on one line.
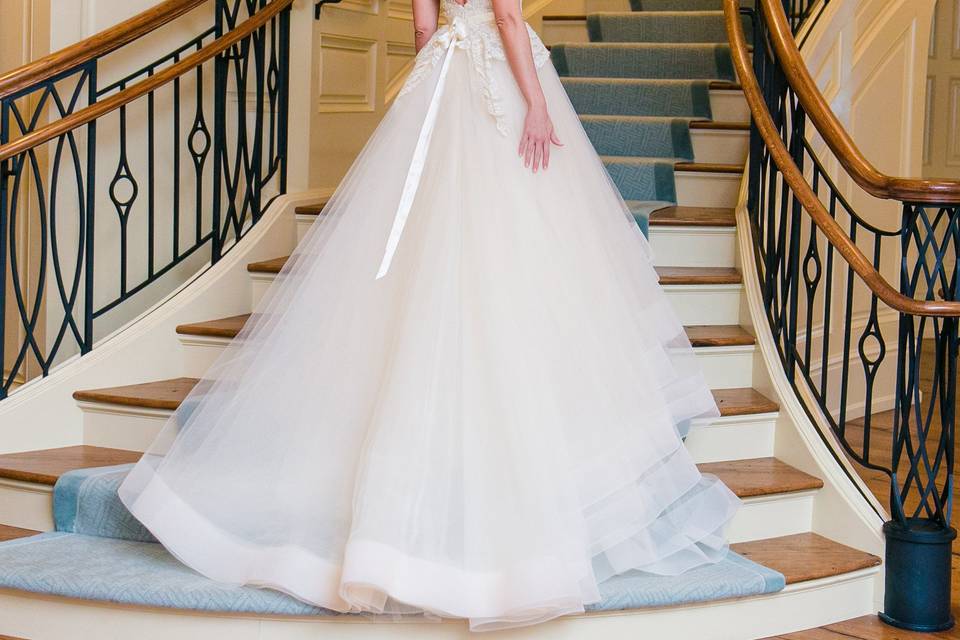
[(941, 152)]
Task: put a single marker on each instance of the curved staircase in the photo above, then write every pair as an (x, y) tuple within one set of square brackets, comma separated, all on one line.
[(658, 97)]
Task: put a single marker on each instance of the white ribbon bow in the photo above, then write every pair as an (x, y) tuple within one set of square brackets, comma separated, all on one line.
[(455, 36)]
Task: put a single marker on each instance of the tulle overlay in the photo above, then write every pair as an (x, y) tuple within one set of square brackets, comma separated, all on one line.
[(489, 430)]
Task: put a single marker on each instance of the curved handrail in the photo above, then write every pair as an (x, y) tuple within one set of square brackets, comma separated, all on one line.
[(805, 194), (871, 179), (95, 46), (117, 100)]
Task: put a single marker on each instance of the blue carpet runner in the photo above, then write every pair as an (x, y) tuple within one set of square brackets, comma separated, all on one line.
[(637, 84), (100, 552)]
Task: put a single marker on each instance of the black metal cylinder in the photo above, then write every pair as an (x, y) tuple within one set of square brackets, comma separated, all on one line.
[(917, 595)]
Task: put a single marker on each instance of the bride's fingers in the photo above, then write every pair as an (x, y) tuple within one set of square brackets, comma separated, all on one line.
[(554, 139), (523, 144), (528, 154), (546, 156), (537, 152)]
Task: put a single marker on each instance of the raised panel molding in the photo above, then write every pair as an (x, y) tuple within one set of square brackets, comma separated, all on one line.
[(929, 113), (953, 135), (347, 74), (371, 7), (400, 9), (399, 55), (954, 29)]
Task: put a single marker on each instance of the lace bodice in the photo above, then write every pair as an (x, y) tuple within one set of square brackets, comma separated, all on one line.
[(471, 27)]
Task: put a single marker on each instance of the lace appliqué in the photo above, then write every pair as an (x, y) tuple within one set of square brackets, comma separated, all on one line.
[(484, 45)]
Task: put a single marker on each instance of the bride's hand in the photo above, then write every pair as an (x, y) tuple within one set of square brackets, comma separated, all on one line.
[(538, 135)]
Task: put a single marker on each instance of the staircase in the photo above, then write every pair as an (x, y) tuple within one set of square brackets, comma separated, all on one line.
[(658, 97)]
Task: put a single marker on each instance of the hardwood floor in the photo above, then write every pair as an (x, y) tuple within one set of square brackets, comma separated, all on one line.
[(870, 627)]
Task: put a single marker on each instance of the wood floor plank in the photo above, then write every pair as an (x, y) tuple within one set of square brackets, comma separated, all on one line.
[(694, 217), (708, 167), (761, 476), (313, 209), (805, 556), (12, 533), (45, 466)]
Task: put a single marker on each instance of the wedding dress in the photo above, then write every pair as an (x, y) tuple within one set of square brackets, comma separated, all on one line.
[(466, 393)]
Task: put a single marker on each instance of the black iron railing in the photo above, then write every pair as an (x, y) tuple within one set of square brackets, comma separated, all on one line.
[(168, 168), (877, 364)]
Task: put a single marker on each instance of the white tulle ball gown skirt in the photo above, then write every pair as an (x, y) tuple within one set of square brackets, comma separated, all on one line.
[(486, 432)]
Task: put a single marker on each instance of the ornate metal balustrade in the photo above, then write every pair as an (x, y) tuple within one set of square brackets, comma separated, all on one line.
[(114, 184), (856, 348)]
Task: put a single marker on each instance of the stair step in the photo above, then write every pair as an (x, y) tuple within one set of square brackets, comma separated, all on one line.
[(719, 336), (806, 556), (45, 466), (761, 477), (743, 401), (677, 216), (778, 499), (220, 328), (12, 533), (162, 394), (668, 275), (168, 394), (698, 275), (700, 335)]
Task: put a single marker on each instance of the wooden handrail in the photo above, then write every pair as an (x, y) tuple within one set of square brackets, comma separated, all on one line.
[(802, 190), (870, 179), (145, 86), (96, 45)]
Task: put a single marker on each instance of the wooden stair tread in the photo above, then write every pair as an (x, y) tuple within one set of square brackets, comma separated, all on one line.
[(708, 167), (12, 533), (719, 336), (220, 328), (313, 209), (273, 265), (720, 126), (45, 466), (743, 401), (761, 476), (725, 85), (805, 556), (694, 217), (699, 275), (161, 394)]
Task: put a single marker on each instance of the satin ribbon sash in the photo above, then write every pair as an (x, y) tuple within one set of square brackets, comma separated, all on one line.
[(453, 37)]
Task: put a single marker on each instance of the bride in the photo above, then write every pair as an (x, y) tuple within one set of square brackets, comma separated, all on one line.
[(466, 393)]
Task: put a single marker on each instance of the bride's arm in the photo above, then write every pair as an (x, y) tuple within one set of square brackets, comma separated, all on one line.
[(538, 131), (425, 14)]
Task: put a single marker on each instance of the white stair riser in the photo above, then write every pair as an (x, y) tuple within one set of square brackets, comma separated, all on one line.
[(771, 516), (27, 505), (693, 246), (727, 367), (578, 7), (733, 438), (705, 304), (119, 426), (565, 31), (721, 146), (706, 189), (729, 105)]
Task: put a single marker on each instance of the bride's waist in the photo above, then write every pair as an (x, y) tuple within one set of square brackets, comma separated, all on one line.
[(471, 17)]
